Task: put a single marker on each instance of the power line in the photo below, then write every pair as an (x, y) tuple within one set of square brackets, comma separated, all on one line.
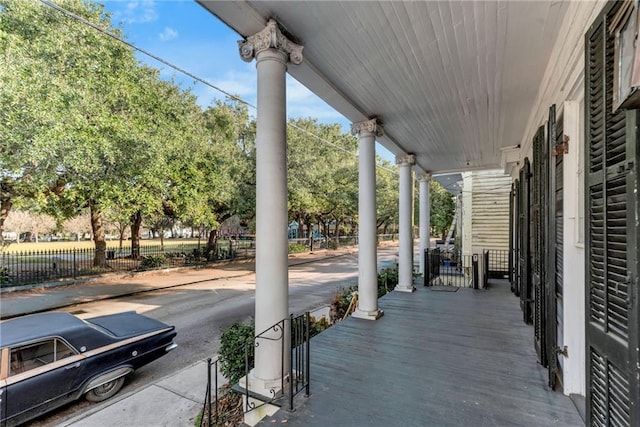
[(185, 72), (139, 49)]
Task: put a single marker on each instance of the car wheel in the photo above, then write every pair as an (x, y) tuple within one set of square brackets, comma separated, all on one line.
[(105, 391)]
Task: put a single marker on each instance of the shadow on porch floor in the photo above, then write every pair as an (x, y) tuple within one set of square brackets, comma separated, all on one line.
[(434, 359)]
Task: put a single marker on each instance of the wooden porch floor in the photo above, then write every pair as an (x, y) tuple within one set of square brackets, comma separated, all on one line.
[(435, 358)]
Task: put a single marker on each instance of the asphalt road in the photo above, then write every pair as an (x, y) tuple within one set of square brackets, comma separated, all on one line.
[(201, 311)]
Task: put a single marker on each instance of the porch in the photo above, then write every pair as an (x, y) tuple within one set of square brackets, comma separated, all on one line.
[(435, 358)]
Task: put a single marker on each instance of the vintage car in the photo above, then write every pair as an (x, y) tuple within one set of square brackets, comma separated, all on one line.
[(49, 359)]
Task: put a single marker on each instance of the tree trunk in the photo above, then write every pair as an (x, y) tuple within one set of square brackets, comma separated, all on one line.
[(136, 223), (5, 207), (99, 257), (310, 234), (121, 229), (212, 245)]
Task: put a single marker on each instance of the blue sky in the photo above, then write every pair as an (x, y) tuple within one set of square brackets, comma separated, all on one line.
[(185, 34)]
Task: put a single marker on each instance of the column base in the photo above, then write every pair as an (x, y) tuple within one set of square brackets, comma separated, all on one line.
[(367, 315), (409, 288)]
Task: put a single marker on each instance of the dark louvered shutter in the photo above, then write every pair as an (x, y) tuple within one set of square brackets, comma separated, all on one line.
[(538, 242), (517, 235), (611, 240), (525, 237), (555, 310), (512, 194)]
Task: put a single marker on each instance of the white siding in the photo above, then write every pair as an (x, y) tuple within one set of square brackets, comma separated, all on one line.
[(490, 217)]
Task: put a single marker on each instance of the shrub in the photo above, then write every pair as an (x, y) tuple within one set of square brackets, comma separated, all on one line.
[(387, 280), (341, 302), (152, 261), (235, 341), (333, 244), (317, 326), (295, 248), (4, 275)]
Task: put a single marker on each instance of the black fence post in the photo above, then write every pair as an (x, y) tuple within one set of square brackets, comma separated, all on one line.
[(209, 390), (292, 333), (307, 354), (476, 276), (427, 269), (485, 272), (74, 265)]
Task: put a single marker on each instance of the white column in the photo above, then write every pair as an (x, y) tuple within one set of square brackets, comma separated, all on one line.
[(405, 262), (367, 237), (272, 52), (425, 216)]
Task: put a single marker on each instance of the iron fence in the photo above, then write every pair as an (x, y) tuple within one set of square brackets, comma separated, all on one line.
[(498, 263), (485, 268), (450, 268), (41, 266), (295, 377), (324, 242)]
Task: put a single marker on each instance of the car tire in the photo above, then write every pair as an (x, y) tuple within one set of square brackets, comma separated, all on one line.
[(105, 391)]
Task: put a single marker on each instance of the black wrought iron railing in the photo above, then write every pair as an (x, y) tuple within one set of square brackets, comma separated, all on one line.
[(448, 268), (40, 266), (293, 337), (485, 269), (299, 372), (324, 242), (498, 263)]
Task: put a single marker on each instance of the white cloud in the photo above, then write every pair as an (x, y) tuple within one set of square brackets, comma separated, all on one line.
[(301, 102), (139, 11), (298, 93), (168, 34)]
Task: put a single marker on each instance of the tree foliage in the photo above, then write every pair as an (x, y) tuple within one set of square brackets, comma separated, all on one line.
[(87, 129), (442, 209)]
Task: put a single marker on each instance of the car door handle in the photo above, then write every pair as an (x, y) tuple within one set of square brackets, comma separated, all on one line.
[(73, 366)]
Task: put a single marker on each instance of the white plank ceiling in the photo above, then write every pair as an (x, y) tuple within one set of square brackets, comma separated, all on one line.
[(452, 82)]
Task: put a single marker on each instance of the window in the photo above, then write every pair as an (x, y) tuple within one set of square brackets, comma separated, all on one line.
[(39, 354)]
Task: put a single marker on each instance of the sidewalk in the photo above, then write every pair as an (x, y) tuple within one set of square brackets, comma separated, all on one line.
[(37, 300), (174, 400)]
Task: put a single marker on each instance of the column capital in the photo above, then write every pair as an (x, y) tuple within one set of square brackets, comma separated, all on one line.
[(424, 177), (406, 160), (372, 126), (270, 38)]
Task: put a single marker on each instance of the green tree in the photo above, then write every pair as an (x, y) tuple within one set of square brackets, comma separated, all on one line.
[(322, 175), (442, 209), (387, 191), (35, 91), (227, 166)]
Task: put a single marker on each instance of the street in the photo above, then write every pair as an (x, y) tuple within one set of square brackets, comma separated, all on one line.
[(202, 311)]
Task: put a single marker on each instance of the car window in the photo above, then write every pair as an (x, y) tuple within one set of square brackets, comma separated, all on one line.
[(33, 356)]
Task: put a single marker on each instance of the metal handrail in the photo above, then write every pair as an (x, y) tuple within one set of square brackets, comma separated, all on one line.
[(298, 378), (450, 268)]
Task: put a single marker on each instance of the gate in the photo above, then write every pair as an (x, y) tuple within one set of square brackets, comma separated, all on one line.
[(449, 268)]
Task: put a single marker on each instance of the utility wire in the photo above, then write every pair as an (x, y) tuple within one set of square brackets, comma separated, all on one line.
[(139, 49), (185, 72)]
